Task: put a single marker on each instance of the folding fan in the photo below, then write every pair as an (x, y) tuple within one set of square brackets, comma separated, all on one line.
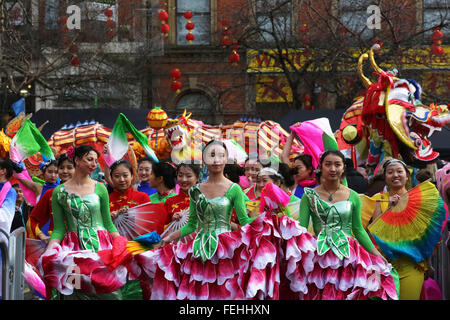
[(141, 219), (33, 250), (413, 226)]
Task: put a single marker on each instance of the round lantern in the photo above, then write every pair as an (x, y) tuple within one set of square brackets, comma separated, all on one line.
[(234, 57), (437, 50), (175, 74), (157, 118), (163, 16), (75, 61), (165, 29), (108, 12), (190, 37), (437, 36), (176, 86)]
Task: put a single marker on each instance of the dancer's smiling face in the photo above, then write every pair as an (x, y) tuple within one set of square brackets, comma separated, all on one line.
[(395, 175)]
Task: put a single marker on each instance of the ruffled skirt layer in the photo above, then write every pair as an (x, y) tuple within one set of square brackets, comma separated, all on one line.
[(358, 277), (67, 266), (249, 263)]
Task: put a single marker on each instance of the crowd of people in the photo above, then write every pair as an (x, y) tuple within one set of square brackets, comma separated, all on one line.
[(280, 229)]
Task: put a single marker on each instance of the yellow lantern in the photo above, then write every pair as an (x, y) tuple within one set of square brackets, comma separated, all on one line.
[(157, 118)]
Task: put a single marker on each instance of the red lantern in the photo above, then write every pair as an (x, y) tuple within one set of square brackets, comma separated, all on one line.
[(234, 57), (163, 16), (188, 15), (304, 28), (190, 37), (190, 26), (176, 86), (108, 12), (75, 61), (437, 50), (175, 74), (437, 36), (165, 29)]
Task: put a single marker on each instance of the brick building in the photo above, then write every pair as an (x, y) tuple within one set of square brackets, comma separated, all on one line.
[(287, 49)]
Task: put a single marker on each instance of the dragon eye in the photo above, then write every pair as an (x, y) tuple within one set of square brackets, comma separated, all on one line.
[(418, 142)]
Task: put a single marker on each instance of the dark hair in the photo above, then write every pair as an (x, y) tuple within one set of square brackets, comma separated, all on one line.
[(392, 161), (146, 159), (121, 162), (194, 167), (233, 171), (63, 157), (10, 166), (45, 165), (287, 173), (165, 170), (322, 158), (306, 159), (212, 142), (251, 157), (82, 150)]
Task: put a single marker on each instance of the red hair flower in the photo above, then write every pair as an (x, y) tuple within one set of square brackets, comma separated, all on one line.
[(70, 153)]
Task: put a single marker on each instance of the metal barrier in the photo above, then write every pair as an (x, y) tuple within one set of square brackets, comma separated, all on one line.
[(440, 261), (13, 264)]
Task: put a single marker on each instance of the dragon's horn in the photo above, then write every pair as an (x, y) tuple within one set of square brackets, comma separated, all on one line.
[(364, 79), (374, 65)]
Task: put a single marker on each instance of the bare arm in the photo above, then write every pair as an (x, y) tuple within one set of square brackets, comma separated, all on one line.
[(287, 149), (30, 184)]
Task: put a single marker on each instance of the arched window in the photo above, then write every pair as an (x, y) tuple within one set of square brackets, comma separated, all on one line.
[(199, 104)]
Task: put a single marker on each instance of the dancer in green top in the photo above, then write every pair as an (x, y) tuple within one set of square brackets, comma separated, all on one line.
[(82, 228), (208, 266), (335, 213)]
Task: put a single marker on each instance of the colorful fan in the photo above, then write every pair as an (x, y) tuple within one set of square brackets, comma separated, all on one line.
[(141, 219), (369, 205), (412, 227), (33, 251)]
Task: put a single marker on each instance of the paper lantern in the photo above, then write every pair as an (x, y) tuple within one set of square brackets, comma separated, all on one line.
[(234, 56), (165, 29), (175, 74), (176, 86), (157, 118)]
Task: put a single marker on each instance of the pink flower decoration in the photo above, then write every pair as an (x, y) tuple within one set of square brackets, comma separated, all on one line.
[(70, 153)]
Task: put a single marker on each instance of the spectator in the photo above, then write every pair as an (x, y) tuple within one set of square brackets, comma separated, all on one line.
[(355, 180)]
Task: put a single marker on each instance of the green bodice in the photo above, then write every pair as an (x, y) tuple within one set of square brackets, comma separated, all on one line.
[(212, 217), (332, 223), (82, 215)]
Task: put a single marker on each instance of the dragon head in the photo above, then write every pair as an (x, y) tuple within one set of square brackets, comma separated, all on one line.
[(410, 122), (413, 122), (176, 131)]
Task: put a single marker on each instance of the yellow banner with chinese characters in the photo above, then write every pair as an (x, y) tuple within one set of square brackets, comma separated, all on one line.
[(413, 58), (273, 88)]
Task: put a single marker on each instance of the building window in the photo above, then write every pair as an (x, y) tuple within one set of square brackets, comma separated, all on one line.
[(354, 16), (435, 12), (201, 10), (273, 20), (199, 104)]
